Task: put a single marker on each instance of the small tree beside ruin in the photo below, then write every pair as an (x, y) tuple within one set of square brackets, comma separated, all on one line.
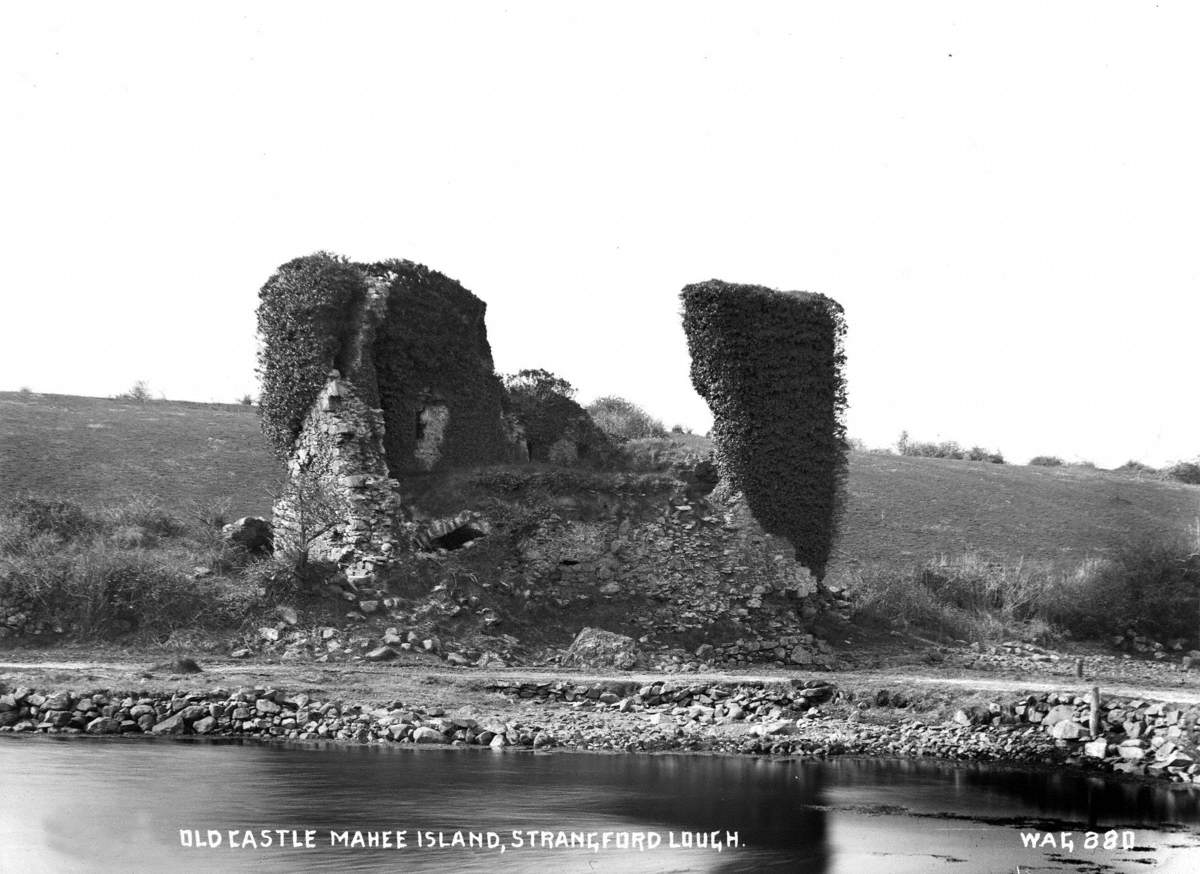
[(307, 513), (770, 365)]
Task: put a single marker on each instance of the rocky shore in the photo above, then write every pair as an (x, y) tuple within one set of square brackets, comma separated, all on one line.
[(800, 717)]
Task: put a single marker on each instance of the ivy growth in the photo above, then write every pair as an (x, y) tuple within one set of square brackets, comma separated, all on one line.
[(770, 365), (305, 313)]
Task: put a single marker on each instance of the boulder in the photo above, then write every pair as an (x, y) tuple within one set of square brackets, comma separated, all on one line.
[(170, 725), (596, 648), (1067, 729), (426, 735), (251, 533), (1057, 714), (104, 725), (1132, 751), (801, 656)]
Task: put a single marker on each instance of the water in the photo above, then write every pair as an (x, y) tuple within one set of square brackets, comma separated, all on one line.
[(120, 805)]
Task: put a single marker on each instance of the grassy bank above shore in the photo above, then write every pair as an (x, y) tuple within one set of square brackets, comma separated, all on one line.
[(949, 548), (899, 510)]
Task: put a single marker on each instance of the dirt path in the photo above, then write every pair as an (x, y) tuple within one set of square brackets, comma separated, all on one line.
[(381, 680)]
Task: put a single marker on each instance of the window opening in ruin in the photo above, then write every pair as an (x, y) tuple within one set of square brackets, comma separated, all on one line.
[(420, 425)]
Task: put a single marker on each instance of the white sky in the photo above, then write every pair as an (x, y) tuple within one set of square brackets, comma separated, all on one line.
[(1004, 197)]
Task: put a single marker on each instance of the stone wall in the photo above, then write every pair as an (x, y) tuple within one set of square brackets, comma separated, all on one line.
[(438, 391), (340, 502)]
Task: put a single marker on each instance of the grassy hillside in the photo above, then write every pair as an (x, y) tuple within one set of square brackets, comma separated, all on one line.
[(900, 510), (95, 450)]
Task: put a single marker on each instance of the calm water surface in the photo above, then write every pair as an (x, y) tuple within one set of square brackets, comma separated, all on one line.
[(120, 805)]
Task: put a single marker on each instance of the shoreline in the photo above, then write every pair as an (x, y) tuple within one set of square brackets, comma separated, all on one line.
[(783, 718)]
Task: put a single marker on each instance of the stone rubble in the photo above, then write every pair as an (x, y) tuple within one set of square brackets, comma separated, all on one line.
[(798, 718)]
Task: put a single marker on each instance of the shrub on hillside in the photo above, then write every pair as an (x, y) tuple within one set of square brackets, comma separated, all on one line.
[(945, 449), (770, 366), (1135, 467), (624, 420), (1184, 472), (114, 569), (139, 391), (1151, 586), (965, 597), (1046, 461), (978, 453), (106, 591)]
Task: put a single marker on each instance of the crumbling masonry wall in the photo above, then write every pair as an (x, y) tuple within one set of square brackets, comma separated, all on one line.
[(340, 502), (438, 391), (412, 391)]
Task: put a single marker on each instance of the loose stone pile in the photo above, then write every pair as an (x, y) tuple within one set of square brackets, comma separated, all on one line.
[(265, 713), (696, 562), (1135, 736)]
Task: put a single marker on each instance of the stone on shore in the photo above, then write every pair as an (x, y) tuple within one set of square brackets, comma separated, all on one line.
[(426, 735), (170, 725), (596, 648), (104, 725)]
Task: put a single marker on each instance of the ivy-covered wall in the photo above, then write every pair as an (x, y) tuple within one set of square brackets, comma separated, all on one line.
[(770, 366), (308, 313), (434, 370), (410, 340)]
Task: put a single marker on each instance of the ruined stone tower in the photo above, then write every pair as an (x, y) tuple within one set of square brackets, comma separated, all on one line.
[(371, 372)]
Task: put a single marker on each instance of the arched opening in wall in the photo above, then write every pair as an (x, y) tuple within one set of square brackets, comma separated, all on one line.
[(420, 422), (701, 480), (529, 449), (457, 538)]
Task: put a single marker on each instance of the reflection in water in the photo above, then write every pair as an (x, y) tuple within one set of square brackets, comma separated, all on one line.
[(85, 805), (1084, 800)]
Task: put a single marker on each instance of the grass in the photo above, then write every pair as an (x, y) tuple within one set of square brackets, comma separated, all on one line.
[(1003, 531), (124, 568), (906, 512), (97, 450), (900, 511)]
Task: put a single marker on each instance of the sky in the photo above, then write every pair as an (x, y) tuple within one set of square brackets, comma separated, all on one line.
[(1003, 197)]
